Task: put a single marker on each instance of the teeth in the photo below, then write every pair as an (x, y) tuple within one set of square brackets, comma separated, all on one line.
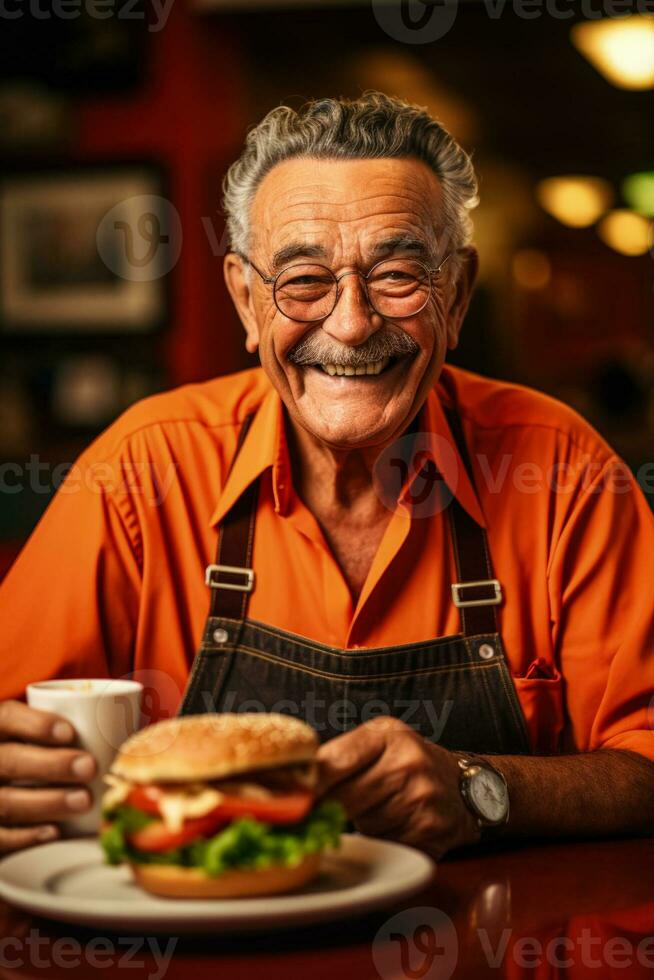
[(374, 367)]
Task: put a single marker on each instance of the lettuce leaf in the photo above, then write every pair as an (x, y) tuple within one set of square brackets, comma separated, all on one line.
[(124, 820), (245, 843)]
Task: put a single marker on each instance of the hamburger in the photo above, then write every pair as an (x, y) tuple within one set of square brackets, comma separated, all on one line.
[(219, 806)]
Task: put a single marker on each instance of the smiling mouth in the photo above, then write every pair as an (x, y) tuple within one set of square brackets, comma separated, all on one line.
[(370, 369)]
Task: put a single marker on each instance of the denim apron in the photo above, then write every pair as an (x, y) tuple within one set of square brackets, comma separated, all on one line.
[(453, 690)]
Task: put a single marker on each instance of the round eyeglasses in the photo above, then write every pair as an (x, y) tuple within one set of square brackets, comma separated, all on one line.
[(395, 288)]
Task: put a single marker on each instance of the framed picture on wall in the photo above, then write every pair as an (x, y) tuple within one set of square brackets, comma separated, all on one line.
[(85, 249)]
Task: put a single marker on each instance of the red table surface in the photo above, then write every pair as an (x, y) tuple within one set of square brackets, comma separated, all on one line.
[(573, 909)]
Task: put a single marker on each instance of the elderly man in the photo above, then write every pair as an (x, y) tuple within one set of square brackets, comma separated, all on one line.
[(447, 575)]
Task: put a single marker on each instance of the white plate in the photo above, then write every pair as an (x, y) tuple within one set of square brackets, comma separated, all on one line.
[(69, 881)]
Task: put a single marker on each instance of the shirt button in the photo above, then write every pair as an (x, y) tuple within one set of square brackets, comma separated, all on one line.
[(486, 651), (220, 636)]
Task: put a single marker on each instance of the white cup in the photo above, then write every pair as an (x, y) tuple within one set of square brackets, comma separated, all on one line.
[(104, 712)]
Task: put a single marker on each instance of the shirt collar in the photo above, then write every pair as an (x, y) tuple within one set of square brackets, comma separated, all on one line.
[(265, 448), (433, 438)]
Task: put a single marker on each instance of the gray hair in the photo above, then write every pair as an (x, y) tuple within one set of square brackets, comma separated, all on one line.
[(373, 126)]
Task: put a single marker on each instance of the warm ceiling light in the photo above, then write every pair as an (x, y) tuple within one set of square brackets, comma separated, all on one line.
[(575, 201), (621, 48), (638, 192), (626, 232)]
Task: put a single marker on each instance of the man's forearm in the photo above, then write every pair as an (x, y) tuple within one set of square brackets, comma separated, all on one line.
[(598, 793)]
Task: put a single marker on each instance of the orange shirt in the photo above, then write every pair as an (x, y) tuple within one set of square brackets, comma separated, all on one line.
[(111, 582)]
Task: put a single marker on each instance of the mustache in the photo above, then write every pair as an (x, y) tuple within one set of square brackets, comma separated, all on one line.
[(315, 349)]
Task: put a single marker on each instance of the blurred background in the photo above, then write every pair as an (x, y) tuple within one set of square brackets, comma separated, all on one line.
[(120, 118)]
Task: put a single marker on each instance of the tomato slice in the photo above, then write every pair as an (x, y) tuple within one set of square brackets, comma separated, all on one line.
[(156, 837), (144, 798), (290, 808), (287, 808)]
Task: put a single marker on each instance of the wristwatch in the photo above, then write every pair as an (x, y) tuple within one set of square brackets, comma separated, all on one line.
[(484, 790)]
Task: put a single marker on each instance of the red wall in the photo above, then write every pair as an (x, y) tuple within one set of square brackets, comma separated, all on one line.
[(190, 114)]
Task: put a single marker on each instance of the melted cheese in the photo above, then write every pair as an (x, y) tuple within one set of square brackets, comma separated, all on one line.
[(196, 800), (118, 790), (176, 807)]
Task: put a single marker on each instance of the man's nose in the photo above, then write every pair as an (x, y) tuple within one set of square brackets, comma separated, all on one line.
[(352, 320)]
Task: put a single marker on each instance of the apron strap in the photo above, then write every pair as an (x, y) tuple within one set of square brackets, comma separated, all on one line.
[(477, 593), (231, 579)]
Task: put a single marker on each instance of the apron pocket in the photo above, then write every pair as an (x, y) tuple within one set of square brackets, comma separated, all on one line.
[(541, 698)]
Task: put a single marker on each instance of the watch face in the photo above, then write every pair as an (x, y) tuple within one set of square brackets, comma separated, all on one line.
[(489, 794)]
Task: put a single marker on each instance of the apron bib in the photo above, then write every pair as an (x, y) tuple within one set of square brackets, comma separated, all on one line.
[(455, 690)]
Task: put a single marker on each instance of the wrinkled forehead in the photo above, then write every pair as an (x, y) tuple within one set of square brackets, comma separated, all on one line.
[(329, 209)]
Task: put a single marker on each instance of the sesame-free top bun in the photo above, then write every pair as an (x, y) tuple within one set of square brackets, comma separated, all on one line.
[(211, 746)]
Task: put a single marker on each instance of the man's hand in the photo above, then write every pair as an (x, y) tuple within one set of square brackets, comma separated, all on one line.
[(395, 784), (26, 755)]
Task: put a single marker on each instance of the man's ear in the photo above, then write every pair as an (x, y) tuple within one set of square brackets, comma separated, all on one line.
[(238, 284), (463, 286)]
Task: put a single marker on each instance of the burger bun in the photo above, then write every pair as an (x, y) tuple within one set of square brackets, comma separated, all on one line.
[(214, 746), (175, 882)]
